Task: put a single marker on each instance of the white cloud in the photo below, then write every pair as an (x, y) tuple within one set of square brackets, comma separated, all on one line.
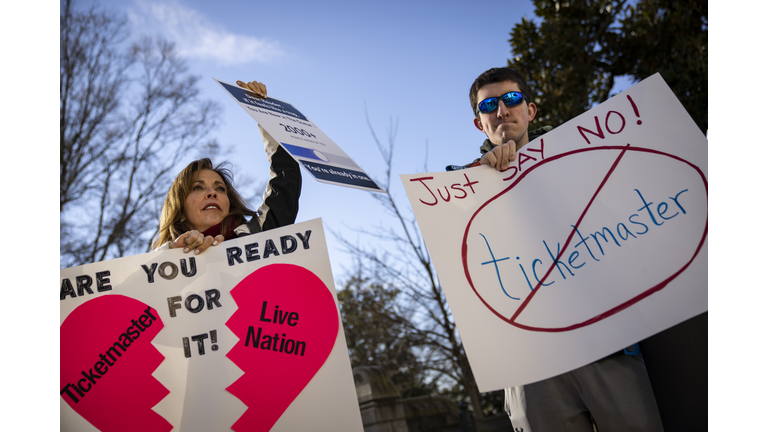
[(196, 37)]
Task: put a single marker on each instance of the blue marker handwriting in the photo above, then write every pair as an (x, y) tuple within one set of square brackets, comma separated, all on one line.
[(594, 245)]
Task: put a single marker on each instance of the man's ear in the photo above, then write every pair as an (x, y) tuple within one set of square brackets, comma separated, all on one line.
[(479, 125), (532, 110)]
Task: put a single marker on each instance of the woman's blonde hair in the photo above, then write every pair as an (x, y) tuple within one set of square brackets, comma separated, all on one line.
[(172, 223)]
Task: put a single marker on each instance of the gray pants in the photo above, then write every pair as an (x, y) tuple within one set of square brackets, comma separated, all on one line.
[(615, 391)]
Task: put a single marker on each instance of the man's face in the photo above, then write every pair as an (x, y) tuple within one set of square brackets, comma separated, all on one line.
[(505, 123)]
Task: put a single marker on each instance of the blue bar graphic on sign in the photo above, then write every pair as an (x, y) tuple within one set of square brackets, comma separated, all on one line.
[(302, 152), (322, 156), (340, 175), (269, 104)]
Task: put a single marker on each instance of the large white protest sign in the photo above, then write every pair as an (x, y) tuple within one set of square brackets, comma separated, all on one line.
[(246, 336), (594, 239), (303, 140)]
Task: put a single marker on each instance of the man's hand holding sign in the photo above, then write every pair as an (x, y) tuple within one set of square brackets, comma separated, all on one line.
[(501, 155)]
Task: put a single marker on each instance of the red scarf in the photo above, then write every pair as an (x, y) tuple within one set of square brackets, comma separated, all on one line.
[(216, 230)]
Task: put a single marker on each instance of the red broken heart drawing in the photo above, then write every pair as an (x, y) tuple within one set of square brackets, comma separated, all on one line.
[(287, 323), (107, 361), (620, 151)]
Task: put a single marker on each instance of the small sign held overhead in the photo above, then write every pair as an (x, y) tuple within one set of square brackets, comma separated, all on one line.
[(303, 140)]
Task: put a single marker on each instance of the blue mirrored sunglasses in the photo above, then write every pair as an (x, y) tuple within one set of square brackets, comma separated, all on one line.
[(510, 99)]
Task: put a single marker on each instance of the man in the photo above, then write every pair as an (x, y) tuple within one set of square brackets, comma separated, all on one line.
[(614, 392), (506, 126)]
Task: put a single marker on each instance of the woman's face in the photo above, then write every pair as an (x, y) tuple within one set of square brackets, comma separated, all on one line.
[(207, 203)]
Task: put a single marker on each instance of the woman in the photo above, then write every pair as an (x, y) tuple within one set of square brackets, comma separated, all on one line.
[(203, 209)]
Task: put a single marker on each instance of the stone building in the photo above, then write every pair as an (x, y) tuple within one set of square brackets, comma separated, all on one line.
[(384, 410)]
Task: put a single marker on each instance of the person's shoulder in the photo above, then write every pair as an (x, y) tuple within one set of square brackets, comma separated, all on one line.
[(533, 134), (250, 227)]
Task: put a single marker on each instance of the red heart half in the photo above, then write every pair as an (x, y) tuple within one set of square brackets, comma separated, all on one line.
[(107, 360), (287, 323)]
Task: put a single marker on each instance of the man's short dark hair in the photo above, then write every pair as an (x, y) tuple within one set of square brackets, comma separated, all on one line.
[(497, 75)]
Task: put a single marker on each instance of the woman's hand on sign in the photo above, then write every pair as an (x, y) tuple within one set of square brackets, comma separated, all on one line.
[(257, 88), (194, 240)]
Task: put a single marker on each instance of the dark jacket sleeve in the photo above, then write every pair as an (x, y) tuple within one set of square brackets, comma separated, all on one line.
[(281, 198)]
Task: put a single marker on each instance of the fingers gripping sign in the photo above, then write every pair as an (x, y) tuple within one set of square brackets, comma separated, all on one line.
[(501, 155), (197, 241), (189, 240), (209, 241), (259, 89)]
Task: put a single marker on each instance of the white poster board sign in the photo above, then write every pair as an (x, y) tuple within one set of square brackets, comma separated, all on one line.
[(594, 239), (246, 336), (303, 140)]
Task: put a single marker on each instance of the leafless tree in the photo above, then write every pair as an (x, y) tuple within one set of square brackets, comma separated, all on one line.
[(408, 269), (129, 114)]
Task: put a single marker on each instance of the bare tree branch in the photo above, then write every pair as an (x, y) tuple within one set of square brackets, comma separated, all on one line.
[(129, 115), (409, 270)]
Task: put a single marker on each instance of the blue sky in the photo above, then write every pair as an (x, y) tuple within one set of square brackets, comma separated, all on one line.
[(411, 62)]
